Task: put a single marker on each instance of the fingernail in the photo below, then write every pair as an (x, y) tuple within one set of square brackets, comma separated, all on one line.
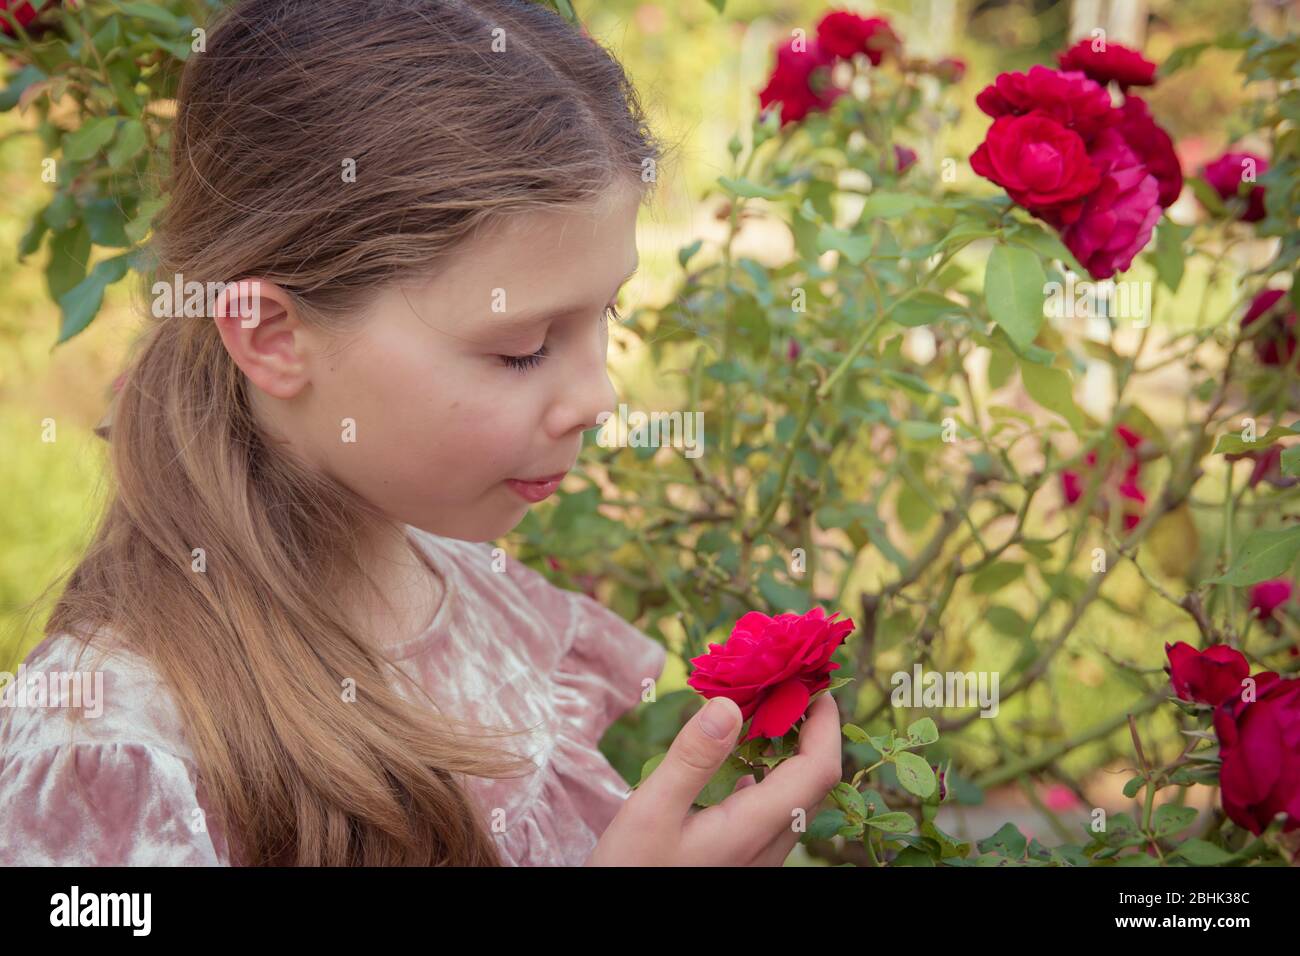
[(716, 718)]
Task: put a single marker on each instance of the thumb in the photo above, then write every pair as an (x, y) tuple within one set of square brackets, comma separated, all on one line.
[(697, 752)]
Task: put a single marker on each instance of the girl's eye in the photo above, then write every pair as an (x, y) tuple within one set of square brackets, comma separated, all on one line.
[(522, 363)]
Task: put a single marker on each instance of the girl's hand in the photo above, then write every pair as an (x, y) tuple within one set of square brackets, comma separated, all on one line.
[(754, 826)]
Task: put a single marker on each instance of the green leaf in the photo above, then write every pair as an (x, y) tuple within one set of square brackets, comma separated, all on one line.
[(1170, 819), (60, 212), (1013, 288), (1233, 444), (649, 766), (854, 733), (887, 205), (911, 856), (138, 227), (996, 576), (93, 136), (31, 240), (1008, 842), (728, 371), (1200, 853), (923, 732), (1266, 554), (80, 304), (949, 845), (1291, 460), (779, 594), (131, 139), (722, 783), (750, 190), (915, 773), (922, 431), (106, 221), (1207, 195), (1047, 244), (1133, 786), (896, 822), (854, 248), (122, 76), (69, 253), (849, 799), (1052, 389), (156, 15), (685, 252), (1168, 255), (1006, 621), (17, 84), (826, 824), (924, 308)]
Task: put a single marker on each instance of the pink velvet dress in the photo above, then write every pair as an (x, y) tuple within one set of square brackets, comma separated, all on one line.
[(120, 787)]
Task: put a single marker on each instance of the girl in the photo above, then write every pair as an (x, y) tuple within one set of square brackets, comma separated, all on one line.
[(309, 653)]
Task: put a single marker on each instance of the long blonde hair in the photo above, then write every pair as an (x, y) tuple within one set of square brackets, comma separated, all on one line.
[(446, 135)]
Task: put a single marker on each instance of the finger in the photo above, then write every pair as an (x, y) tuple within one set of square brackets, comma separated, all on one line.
[(799, 783), (693, 758), (779, 850), (745, 781)]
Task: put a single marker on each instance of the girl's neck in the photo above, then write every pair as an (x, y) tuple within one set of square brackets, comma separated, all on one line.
[(402, 574)]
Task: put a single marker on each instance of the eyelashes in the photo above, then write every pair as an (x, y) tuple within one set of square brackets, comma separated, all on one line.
[(524, 363)]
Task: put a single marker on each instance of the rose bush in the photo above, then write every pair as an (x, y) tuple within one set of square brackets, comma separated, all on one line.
[(866, 457)]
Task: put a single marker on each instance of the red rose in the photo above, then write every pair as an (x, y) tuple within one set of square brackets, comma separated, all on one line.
[(1073, 100), (843, 34), (1259, 742), (1127, 488), (1042, 165), (1210, 676), (1153, 146), (800, 82), (950, 69), (1112, 62), (23, 12), (1227, 173), (904, 158), (1119, 216), (1267, 596), (1276, 344), (1268, 466), (771, 666)]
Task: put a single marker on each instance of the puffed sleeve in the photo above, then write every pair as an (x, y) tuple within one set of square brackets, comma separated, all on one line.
[(601, 664), (101, 804)]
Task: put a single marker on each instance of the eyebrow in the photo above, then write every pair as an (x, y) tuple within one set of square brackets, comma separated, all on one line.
[(522, 322)]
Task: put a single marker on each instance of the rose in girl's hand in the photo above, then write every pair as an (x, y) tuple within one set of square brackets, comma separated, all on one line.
[(771, 666), (752, 826)]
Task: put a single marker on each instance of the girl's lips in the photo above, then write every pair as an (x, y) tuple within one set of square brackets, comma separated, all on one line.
[(534, 491)]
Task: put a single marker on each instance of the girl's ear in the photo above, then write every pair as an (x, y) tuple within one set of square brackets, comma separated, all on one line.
[(265, 336)]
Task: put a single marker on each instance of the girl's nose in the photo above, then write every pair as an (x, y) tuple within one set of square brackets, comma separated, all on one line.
[(585, 395)]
